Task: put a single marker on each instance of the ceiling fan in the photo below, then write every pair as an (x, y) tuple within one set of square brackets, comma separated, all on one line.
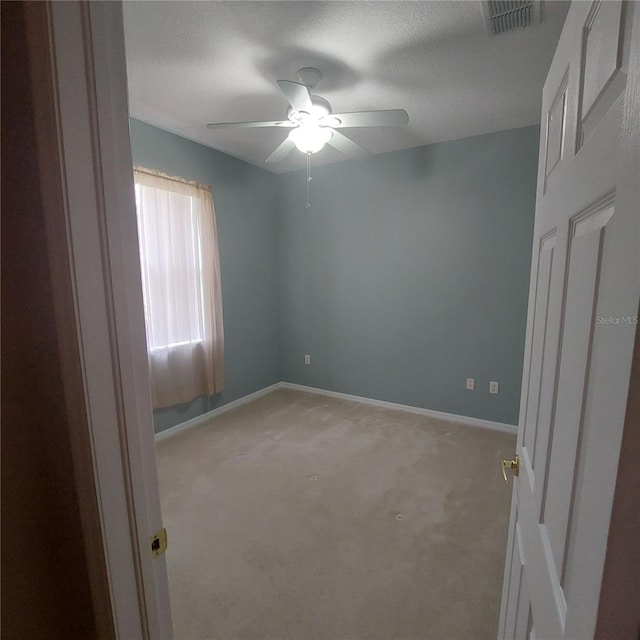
[(313, 125)]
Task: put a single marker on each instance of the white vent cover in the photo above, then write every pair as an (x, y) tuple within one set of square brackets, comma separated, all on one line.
[(507, 15)]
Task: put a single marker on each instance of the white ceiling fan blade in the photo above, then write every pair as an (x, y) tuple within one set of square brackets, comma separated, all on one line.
[(282, 150), (390, 118), (250, 125), (347, 146), (297, 94)]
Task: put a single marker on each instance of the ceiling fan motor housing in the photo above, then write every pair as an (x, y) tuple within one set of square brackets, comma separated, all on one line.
[(320, 108)]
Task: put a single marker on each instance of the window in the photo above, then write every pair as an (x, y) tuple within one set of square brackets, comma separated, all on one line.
[(181, 287)]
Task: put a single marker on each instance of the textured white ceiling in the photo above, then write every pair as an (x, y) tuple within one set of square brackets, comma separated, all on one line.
[(190, 63)]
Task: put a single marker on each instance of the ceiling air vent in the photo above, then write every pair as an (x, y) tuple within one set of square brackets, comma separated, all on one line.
[(507, 15)]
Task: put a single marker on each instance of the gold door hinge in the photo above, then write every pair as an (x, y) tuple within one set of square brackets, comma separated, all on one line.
[(159, 543)]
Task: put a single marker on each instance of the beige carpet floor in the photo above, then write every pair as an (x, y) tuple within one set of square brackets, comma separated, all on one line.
[(299, 517)]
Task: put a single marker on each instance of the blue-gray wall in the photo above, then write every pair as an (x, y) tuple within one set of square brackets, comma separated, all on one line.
[(246, 204), (410, 273)]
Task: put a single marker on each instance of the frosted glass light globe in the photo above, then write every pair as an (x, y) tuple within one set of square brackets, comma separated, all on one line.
[(310, 138)]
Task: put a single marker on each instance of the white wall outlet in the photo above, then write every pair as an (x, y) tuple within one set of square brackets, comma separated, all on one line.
[(307, 360), (471, 384), (493, 387)]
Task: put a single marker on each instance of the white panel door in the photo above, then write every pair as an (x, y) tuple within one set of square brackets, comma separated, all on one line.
[(583, 303)]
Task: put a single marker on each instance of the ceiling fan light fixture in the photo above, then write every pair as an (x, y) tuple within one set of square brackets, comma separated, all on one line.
[(310, 138)]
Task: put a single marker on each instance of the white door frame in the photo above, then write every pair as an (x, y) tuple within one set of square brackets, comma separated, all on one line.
[(78, 79)]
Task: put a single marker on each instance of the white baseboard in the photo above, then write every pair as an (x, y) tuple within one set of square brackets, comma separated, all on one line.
[(440, 415), (194, 422)]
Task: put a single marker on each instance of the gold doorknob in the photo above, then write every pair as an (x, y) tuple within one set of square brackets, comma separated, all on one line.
[(514, 465)]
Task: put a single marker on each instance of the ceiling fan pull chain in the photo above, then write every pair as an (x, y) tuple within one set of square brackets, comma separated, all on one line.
[(308, 178)]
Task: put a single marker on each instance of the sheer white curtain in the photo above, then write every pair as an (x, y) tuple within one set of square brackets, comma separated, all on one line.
[(181, 287)]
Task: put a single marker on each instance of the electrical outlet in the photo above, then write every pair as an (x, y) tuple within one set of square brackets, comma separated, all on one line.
[(493, 387), (307, 359), (471, 384)]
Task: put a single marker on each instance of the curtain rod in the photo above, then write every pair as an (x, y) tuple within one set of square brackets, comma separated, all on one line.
[(159, 174)]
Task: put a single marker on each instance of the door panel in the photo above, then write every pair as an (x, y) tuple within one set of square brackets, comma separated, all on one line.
[(581, 282), (522, 618), (601, 59), (556, 127), (541, 311), (580, 333)]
